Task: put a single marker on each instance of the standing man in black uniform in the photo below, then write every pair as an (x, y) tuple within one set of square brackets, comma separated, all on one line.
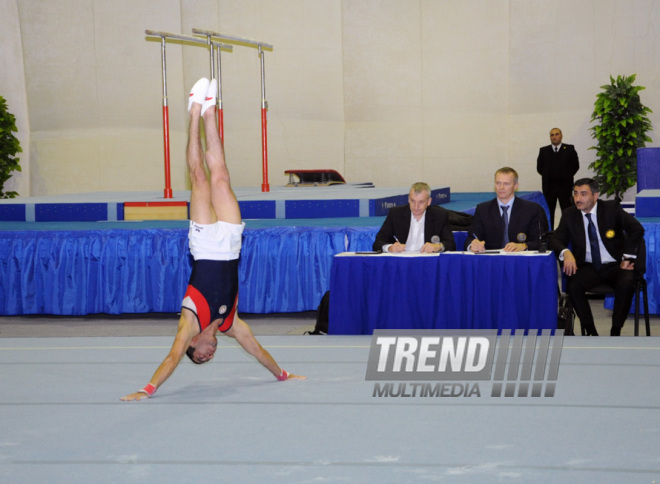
[(557, 163)]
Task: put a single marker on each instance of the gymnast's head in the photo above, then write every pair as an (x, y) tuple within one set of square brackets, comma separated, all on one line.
[(202, 349)]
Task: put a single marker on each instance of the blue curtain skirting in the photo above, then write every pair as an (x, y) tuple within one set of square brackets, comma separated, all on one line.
[(99, 271), (282, 269)]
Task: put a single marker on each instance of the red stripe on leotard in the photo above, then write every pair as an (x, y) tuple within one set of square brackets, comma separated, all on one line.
[(203, 312)]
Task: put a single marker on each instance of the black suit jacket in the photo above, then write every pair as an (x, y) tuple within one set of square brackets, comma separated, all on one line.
[(620, 232), (397, 224), (527, 218), (557, 169)]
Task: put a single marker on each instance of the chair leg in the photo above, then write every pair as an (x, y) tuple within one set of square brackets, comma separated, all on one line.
[(636, 310), (646, 312)]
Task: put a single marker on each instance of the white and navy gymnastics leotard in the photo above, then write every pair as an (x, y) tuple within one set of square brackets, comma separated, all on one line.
[(212, 291)]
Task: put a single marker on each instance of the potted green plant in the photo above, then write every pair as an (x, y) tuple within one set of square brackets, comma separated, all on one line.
[(9, 146), (621, 129)]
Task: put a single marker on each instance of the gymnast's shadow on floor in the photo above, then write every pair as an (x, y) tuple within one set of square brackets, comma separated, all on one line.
[(225, 389)]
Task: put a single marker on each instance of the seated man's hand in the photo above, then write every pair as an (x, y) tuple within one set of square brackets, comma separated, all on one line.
[(627, 265), (477, 245), (514, 247), (397, 247), (428, 248), (570, 266)]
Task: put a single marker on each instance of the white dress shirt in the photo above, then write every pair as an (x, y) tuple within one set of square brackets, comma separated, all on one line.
[(415, 240), (605, 256)]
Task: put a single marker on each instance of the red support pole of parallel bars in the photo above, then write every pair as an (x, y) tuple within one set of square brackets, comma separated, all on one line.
[(221, 120), (265, 187), (166, 141), (221, 129), (264, 132), (166, 122)]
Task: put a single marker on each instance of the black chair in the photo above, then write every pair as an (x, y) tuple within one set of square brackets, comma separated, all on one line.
[(640, 287)]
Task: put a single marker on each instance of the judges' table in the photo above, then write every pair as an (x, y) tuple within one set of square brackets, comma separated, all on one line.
[(450, 290)]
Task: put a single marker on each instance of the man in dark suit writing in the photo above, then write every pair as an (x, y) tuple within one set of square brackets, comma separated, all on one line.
[(557, 163), (416, 227), (506, 222), (605, 240)]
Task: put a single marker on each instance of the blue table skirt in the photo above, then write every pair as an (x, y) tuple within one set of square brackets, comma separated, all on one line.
[(448, 291)]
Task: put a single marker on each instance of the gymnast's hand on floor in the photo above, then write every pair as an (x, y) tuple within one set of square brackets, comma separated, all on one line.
[(291, 376), (134, 396)]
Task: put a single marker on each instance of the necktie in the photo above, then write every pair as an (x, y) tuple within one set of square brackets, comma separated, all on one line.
[(593, 242), (505, 219), (556, 149)]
